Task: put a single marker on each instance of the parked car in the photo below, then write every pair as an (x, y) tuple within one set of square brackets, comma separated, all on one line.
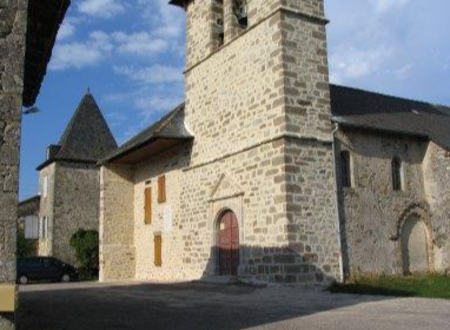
[(44, 269)]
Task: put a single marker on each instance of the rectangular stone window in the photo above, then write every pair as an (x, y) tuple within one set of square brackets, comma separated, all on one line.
[(345, 169), (158, 250), (44, 228), (148, 206), (162, 189)]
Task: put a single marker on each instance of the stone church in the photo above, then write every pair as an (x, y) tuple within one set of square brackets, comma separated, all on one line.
[(269, 173), (69, 181)]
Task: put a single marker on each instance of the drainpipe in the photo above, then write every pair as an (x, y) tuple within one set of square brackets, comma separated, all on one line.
[(341, 259)]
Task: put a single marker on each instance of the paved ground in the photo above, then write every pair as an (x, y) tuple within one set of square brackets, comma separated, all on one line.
[(200, 306)]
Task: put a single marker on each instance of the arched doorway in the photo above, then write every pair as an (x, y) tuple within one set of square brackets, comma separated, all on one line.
[(415, 246), (228, 244)]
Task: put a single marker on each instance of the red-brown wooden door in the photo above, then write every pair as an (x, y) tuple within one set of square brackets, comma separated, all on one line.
[(228, 244)]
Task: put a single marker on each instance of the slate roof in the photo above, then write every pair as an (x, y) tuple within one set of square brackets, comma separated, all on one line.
[(362, 109), (86, 139), (171, 126)]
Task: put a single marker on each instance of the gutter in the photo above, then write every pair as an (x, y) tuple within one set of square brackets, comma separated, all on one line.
[(336, 181)]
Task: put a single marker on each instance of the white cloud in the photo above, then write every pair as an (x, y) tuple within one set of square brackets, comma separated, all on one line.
[(349, 63), (156, 74), (386, 5), (80, 55), (101, 8), (67, 29), (404, 72), (167, 21), (140, 43)]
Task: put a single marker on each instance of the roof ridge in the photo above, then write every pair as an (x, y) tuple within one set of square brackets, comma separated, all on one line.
[(390, 96)]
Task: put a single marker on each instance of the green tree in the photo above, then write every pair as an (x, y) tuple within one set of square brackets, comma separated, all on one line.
[(25, 247), (86, 246)]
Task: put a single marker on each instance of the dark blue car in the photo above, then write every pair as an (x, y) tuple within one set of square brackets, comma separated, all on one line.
[(44, 269)]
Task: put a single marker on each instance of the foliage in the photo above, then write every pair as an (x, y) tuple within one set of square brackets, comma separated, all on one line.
[(25, 247), (86, 245), (425, 285)]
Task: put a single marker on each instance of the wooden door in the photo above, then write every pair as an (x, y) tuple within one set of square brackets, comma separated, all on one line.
[(228, 244)]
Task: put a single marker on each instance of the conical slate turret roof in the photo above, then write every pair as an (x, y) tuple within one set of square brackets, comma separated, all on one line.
[(87, 138)]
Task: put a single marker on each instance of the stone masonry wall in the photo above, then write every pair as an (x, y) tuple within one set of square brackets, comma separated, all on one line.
[(267, 85), (117, 250), (259, 116), (76, 205), (437, 189), (13, 25), (371, 209), (167, 218)]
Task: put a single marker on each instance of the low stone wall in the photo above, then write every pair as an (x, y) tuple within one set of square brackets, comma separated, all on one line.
[(437, 188)]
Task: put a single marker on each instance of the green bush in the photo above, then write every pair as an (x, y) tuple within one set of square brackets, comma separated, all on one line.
[(86, 245), (25, 247)]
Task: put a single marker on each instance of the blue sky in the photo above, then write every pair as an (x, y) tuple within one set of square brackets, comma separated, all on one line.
[(131, 54)]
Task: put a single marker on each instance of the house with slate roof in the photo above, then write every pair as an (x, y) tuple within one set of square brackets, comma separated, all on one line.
[(269, 173), (69, 180)]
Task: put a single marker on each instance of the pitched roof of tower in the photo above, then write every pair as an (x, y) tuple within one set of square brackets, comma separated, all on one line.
[(171, 127), (368, 110), (87, 137)]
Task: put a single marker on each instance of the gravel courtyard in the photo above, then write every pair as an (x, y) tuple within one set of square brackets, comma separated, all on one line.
[(89, 306)]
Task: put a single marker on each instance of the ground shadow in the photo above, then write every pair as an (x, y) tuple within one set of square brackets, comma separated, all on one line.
[(171, 306)]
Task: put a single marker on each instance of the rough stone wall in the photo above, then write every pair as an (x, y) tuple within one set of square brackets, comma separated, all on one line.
[(371, 209), (117, 250), (167, 218), (437, 189), (13, 21), (46, 209), (76, 205)]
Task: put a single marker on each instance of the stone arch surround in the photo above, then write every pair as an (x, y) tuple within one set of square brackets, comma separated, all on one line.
[(218, 208), (423, 215)]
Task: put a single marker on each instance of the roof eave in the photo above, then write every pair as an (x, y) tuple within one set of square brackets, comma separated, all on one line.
[(179, 3), (376, 129), (153, 139), (40, 40)]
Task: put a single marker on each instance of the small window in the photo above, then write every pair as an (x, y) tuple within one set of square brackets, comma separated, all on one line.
[(158, 250), (31, 227), (241, 12), (218, 23), (397, 174), (148, 206), (345, 169), (162, 189), (44, 228)]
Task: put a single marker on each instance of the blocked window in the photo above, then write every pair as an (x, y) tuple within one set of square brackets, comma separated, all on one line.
[(396, 168), (44, 228), (148, 206), (158, 250), (45, 186), (162, 189), (345, 169)]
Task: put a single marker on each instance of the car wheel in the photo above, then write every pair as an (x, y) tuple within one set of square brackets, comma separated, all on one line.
[(65, 278), (23, 279)]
